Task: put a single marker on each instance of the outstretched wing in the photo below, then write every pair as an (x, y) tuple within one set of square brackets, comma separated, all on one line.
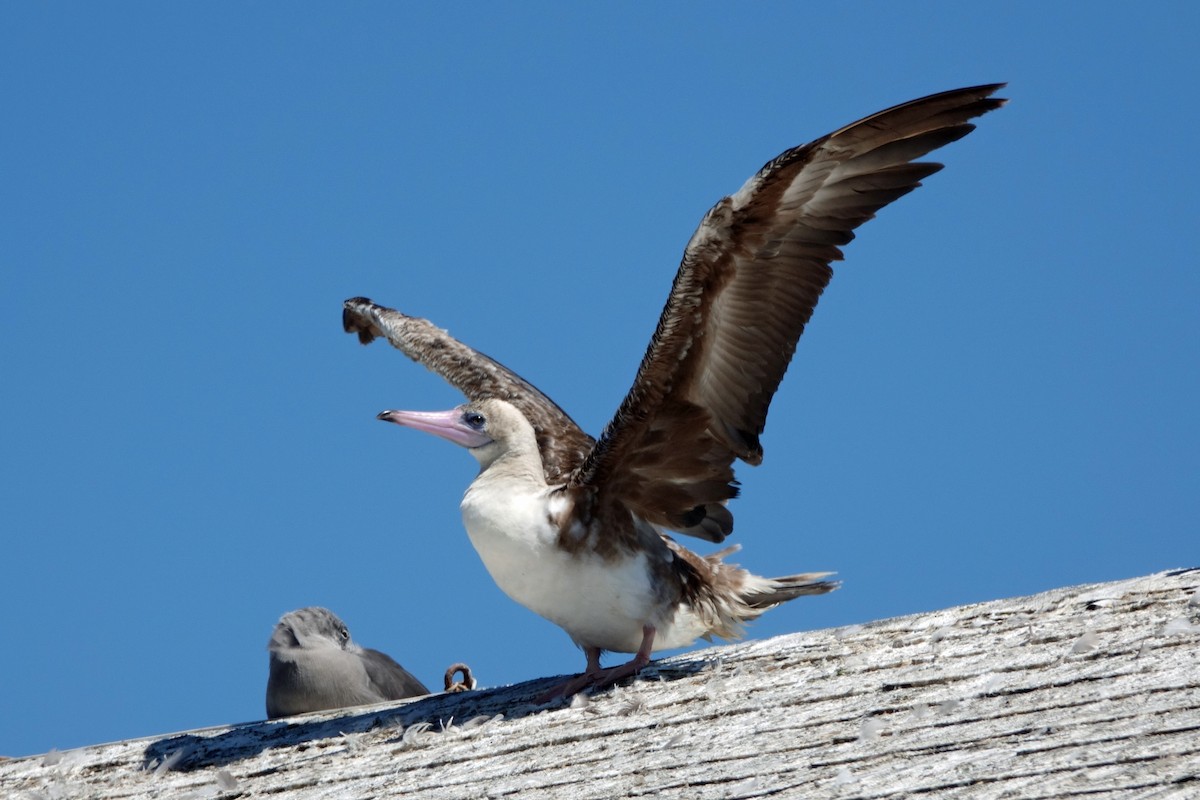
[(563, 444), (748, 283)]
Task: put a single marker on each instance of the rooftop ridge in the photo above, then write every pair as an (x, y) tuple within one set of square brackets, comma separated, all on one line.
[(1087, 691)]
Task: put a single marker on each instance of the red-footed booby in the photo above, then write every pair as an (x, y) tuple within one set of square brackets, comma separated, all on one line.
[(573, 528)]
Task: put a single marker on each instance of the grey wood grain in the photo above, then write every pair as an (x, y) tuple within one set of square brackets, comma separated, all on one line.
[(1084, 692)]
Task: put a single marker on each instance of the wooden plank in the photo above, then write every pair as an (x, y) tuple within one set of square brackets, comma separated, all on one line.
[(1086, 692)]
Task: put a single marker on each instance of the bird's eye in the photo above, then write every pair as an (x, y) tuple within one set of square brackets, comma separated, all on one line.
[(474, 420), (344, 634)]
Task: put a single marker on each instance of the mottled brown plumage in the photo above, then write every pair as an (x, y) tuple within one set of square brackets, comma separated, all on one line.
[(574, 529), (562, 443), (747, 285)]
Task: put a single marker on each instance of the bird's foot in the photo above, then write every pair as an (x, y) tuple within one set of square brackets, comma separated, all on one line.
[(568, 688), (598, 680), (614, 675), (594, 677)]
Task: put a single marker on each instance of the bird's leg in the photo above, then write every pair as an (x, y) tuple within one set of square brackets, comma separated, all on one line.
[(579, 682), (603, 678), (589, 675), (633, 666), (593, 659)]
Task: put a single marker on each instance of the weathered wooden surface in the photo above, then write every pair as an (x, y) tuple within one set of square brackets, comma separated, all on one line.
[(1089, 692)]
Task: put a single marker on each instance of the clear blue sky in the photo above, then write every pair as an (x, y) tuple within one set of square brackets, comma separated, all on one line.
[(997, 395)]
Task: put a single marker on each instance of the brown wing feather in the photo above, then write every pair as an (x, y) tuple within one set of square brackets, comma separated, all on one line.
[(562, 443), (749, 281)]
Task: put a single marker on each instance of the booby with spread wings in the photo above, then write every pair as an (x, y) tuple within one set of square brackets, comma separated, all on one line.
[(574, 528)]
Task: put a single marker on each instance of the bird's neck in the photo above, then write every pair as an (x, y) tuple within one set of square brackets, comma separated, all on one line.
[(518, 465)]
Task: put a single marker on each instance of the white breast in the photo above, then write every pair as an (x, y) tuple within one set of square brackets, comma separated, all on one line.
[(599, 603)]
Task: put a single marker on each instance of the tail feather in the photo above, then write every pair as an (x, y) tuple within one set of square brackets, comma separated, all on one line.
[(723, 597), (765, 593)]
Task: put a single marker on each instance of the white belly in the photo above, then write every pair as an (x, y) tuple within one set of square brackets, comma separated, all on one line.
[(599, 603)]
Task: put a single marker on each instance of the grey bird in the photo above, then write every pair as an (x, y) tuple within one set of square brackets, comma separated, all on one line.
[(315, 666)]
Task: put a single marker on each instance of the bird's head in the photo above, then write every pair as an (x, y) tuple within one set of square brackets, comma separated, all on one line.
[(310, 628), (487, 428)]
